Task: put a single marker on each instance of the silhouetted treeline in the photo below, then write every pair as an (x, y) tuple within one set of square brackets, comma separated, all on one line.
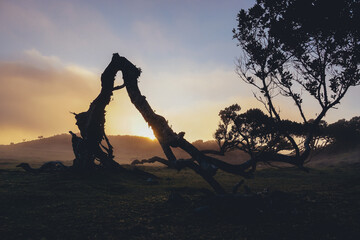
[(345, 134), (254, 131)]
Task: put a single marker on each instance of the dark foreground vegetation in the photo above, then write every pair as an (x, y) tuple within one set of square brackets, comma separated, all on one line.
[(281, 204)]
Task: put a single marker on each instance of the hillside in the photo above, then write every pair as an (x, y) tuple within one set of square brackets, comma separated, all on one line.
[(126, 149)]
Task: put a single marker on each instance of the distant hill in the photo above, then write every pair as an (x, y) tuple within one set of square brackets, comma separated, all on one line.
[(38, 151), (126, 149)]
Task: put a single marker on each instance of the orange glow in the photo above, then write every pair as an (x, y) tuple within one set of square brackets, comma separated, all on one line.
[(144, 132)]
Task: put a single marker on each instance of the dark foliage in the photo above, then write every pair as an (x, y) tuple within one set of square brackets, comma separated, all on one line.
[(254, 132), (344, 134), (291, 47)]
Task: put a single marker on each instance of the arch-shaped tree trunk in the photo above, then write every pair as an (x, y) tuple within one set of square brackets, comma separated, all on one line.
[(89, 148), (206, 166)]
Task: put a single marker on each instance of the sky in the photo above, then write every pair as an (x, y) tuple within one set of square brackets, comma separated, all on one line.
[(52, 54)]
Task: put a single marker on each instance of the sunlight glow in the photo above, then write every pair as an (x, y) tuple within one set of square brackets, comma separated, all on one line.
[(145, 132), (132, 124)]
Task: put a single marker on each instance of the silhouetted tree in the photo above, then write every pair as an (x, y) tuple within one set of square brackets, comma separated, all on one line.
[(93, 149), (290, 47), (203, 164), (254, 132), (89, 147)]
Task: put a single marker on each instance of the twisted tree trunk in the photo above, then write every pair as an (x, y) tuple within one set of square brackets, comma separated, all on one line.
[(206, 166), (89, 147)]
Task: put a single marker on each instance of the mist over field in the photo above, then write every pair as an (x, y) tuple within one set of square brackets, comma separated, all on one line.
[(128, 148)]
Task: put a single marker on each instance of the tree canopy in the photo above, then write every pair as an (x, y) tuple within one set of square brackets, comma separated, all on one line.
[(295, 49)]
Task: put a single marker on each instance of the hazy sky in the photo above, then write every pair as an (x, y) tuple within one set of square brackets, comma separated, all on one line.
[(52, 54)]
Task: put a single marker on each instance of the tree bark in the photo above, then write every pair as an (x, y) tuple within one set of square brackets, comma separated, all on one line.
[(89, 147)]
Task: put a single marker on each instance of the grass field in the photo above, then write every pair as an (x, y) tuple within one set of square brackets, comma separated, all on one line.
[(322, 204)]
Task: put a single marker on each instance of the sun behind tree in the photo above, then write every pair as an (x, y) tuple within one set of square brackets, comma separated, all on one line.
[(145, 132)]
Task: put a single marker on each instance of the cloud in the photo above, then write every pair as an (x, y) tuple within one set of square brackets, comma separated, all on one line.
[(40, 61), (37, 93)]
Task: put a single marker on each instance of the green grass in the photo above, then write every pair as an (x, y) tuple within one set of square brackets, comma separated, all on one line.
[(322, 204)]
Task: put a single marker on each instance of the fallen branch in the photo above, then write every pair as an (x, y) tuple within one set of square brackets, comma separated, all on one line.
[(204, 165)]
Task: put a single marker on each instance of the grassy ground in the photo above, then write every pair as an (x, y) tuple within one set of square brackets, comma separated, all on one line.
[(322, 204)]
